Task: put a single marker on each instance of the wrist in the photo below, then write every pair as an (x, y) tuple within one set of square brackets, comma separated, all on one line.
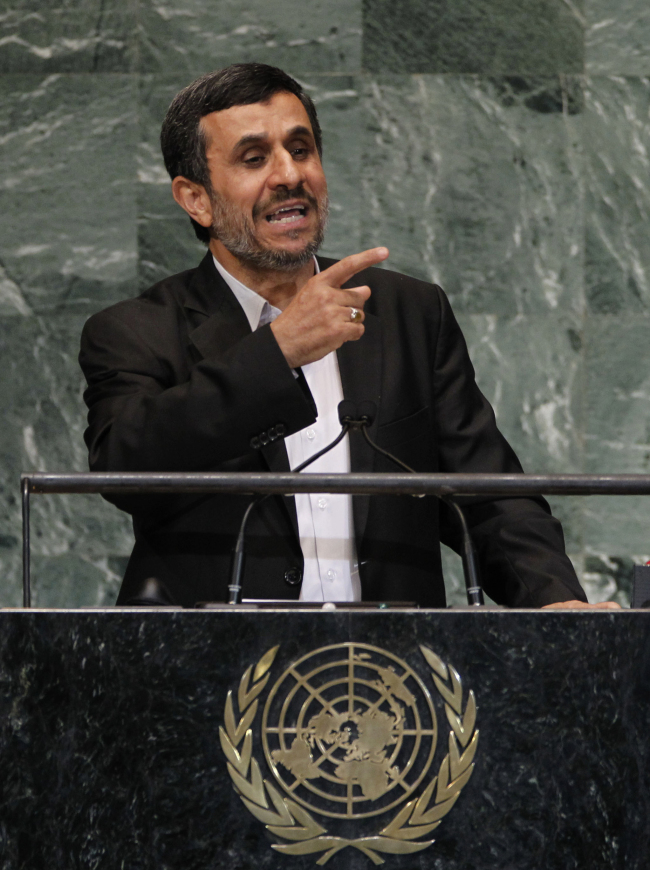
[(285, 345)]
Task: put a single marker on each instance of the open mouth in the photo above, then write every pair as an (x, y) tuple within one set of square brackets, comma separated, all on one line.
[(287, 214)]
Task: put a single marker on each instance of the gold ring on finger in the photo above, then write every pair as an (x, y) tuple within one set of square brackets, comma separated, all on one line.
[(355, 315)]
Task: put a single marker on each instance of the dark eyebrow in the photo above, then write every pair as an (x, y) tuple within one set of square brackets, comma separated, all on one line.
[(300, 130), (252, 138)]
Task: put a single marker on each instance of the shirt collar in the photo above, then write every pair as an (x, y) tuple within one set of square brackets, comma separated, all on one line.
[(257, 310)]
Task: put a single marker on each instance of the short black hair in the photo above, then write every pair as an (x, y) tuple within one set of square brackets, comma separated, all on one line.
[(181, 138)]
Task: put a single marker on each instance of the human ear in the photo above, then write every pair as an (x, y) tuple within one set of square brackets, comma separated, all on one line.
[(193, 199)]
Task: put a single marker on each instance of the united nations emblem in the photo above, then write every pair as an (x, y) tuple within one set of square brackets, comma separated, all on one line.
[(349, 733)]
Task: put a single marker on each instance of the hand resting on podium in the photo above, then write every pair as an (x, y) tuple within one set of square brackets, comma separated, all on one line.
[(582, 605)]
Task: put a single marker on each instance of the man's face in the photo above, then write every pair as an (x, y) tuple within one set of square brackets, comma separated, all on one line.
[(269, 194)]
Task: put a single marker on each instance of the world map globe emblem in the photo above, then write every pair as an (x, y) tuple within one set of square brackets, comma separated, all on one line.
[(349, 730)]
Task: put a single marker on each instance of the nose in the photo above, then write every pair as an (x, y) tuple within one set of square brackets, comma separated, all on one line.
[(285, 171)]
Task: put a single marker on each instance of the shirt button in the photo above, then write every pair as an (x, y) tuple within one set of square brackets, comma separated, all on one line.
[(331, 574), (311, 434), (322, 503), (293, 576)]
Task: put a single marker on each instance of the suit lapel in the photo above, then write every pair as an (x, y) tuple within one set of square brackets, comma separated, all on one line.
[(220, 330), (225, 322), (360, 367), (224, 325)]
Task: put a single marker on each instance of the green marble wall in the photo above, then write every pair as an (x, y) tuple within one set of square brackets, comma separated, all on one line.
[(500, 147)]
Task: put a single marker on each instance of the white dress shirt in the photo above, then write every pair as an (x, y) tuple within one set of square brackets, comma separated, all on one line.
[(325, 523)]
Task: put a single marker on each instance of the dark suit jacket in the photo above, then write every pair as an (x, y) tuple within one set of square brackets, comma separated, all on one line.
[(177, 382)]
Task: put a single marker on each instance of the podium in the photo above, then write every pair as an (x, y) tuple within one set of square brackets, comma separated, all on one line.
[(421, 739)]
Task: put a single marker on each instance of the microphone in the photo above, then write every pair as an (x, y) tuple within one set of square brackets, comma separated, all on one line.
[(356, 417), (366, 413), (152, 592), (238, 556)]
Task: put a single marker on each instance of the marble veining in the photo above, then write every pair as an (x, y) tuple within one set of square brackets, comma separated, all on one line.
[(68, 141), (617, 181), (68, 36), (499, 147), (110, 756), (617, 39), (474, 36), (440, 151), (316, 37)]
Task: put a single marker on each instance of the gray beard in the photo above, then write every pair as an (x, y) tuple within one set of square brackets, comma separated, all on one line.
[(236, 234)]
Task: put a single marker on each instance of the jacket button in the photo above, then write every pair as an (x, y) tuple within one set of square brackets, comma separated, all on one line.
[(256, 443), (293, 576), (280, 429), (264, 438)]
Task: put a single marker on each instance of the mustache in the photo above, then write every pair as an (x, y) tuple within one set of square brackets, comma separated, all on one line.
[(282, 196)]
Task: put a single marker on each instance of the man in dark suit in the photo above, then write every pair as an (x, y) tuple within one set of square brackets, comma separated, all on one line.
[(233, 366)]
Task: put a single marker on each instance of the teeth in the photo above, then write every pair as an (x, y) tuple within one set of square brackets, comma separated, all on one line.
[(287, 220), (275, 215), (290, 208)]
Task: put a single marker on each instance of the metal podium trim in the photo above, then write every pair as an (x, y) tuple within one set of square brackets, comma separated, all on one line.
[(254, 483)]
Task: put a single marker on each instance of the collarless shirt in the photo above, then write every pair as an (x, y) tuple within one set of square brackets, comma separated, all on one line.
[(325, 522)]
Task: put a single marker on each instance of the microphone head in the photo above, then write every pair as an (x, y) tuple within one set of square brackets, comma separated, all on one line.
[(347, 412), (367, 411)]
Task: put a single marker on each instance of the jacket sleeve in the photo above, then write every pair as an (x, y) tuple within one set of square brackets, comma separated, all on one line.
[(519, 543), (143, 416)]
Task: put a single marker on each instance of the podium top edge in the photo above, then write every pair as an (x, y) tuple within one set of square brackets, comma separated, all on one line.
[(421, 611), (355, 483)]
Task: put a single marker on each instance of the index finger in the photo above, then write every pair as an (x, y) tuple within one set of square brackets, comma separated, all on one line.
[(342, 271)]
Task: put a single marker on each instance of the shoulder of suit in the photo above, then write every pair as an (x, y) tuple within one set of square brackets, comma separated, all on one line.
[(160, 300)]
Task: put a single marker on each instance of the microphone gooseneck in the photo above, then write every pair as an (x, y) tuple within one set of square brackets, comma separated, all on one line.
[(238, 555), (367, 413), (360, 417)]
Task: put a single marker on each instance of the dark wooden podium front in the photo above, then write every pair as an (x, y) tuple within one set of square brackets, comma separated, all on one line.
[(111, 754)]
